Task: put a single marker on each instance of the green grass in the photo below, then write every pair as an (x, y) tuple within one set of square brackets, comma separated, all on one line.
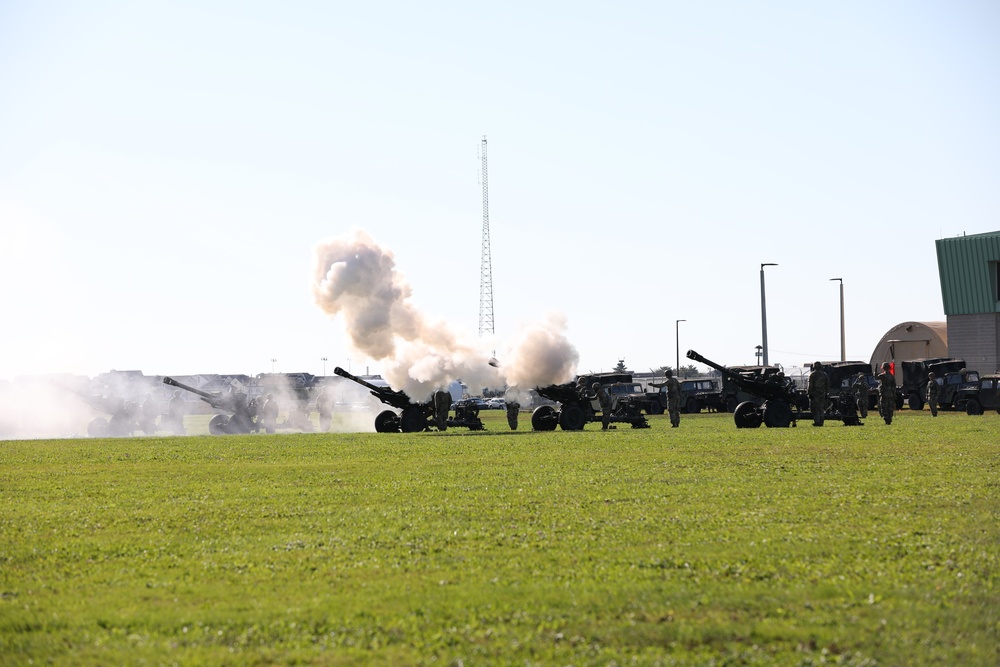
[(693, 546)]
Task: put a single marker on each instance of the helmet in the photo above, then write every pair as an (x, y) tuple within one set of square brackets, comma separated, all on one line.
[(818, 364), (885, 365), (595, 386), (931, 376), (668, 373)]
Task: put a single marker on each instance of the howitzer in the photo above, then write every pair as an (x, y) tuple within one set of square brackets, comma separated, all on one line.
[(413, 417), (576, 409), (782, 404), (122, 414), (242, 419)]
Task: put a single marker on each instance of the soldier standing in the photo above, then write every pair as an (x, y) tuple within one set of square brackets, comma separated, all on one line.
[(513, 407), (886, 393), (933, 389), (860, 387), (175, 413), (442, 404), (819, 387), (269, 414), (673, 397), (324, 406), (605, 398)]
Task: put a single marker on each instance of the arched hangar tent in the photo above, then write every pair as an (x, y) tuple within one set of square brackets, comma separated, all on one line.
[(912, 340)]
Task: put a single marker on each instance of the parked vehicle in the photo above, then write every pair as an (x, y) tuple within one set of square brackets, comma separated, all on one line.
[(913, 381), (700, 394), (982, 396)]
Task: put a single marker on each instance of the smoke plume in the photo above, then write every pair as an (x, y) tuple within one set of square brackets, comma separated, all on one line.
[(356, 280)]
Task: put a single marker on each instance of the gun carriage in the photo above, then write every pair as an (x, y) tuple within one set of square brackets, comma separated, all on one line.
[(242, 417), (121, 420), (576, 411), (412, 417), (782, 405)]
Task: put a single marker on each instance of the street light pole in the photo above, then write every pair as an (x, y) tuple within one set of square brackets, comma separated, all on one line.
[(763, 312), (677, 342), (272, 365), (323, 359), (843, 337)]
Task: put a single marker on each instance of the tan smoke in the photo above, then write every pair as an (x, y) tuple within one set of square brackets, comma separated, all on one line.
[(356, 280)]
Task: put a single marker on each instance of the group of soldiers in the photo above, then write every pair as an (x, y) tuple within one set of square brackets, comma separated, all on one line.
[(819, 388)]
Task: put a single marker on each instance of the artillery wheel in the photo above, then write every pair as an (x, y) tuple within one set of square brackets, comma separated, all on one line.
[(219, 425), (655, 409), (544, 418), (387, 422), (412, 420), (746, 415), (915, 402), (777, 414), (572, 418), (973, 407), (692, 406), (98, 427)]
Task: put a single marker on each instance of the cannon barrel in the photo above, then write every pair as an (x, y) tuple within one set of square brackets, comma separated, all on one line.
[(757, 386), (228, 403), (728, 372), (180, 385), (397, 399)]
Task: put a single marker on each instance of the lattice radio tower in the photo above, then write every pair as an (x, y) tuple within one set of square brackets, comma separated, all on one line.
[(486, 266)]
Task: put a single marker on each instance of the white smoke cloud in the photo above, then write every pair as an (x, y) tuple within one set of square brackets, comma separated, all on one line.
[(356, 280)]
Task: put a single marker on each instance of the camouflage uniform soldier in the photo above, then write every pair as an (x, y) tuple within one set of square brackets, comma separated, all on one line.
[(886, 393), (933, 389), (605, 398), (860, 387), (324, 406), (513, 407), (269, 414), (673, 397), (442, 404), (819, 388), (175, 413)]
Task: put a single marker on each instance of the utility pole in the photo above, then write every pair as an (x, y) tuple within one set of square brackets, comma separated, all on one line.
[(486, 265)]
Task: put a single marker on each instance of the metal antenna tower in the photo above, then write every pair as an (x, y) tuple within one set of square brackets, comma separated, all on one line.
[(486, 266)]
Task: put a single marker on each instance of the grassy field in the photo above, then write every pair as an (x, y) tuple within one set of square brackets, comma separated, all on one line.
[(704, 545)]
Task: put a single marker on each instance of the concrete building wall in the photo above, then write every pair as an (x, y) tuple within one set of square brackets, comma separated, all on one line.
[(975, 338)]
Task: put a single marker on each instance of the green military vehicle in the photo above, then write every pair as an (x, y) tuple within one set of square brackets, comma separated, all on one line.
[(981, 396), (842, 375), (951, 375), (699, 394)]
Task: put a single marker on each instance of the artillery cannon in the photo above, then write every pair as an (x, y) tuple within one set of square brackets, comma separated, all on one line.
[(121, 420), (413, 417), (243, 417), (576, 410), (782, 405)]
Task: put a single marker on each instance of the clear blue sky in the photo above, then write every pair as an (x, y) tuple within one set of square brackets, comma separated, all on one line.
[(166, 169)]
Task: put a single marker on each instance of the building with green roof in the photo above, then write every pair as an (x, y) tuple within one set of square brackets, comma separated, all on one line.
[(969, 269)]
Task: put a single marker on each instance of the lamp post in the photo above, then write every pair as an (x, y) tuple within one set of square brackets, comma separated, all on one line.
[(763, 312), (843, 338), (272, 365), (758, 348), (323, 359), (677, 342)]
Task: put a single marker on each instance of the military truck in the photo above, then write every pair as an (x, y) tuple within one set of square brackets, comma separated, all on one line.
[(623, 385), (913, 381), (700, 394), (981, 396), (842, 375)]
